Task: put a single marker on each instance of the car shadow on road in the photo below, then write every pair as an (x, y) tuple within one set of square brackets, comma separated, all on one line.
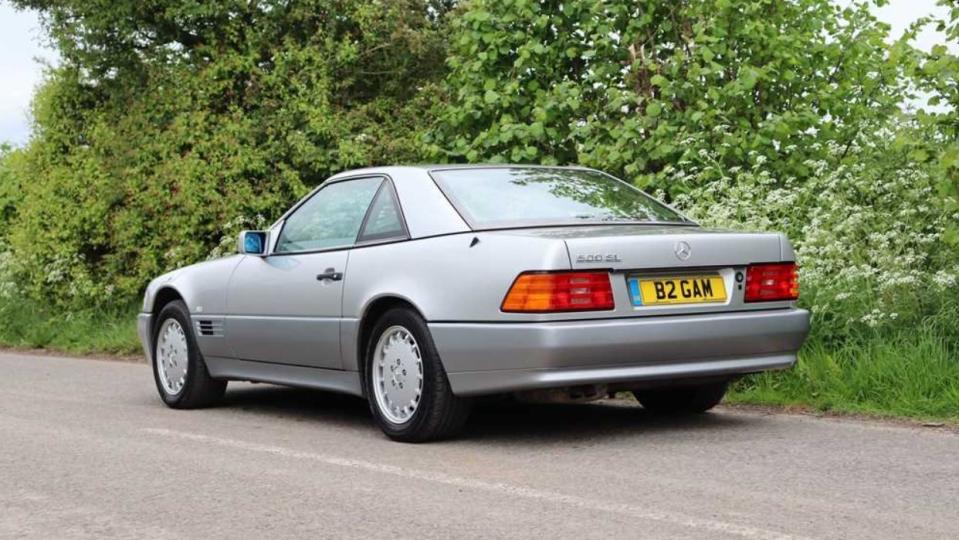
[(492, 420), (546, 423), (297, 404)]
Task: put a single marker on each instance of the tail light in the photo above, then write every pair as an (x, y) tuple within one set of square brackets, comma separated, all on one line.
[(541, 292), (768, 282)]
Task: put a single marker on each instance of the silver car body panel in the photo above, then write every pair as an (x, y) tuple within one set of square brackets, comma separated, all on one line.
[(268, 318), (203, 287), (278, 311), (336, 380), (477, 383), (489, 357)]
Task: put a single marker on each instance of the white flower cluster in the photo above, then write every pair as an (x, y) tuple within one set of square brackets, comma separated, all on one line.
[(68, 272), (72, 271), (8, 282), (869, 238)]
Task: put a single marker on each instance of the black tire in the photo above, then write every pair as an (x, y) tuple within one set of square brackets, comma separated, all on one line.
[(682, 399), (199, 389), (439, 414)]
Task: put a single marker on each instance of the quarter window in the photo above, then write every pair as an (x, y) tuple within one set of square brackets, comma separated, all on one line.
[(384, 220), (329, 219)]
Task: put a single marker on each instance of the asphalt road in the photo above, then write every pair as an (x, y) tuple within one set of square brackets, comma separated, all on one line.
[(87, 450)]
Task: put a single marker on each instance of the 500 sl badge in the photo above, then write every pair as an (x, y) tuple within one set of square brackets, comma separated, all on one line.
[(599, 257)]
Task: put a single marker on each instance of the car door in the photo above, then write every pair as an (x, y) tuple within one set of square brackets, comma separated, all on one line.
[(285, 307)]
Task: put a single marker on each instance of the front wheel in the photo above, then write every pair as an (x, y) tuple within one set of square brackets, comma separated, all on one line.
[(406, 385), (179, 371), (682, 399)]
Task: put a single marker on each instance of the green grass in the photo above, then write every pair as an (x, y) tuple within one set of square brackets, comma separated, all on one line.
[(914, 373), (911, 374), (27, 324)]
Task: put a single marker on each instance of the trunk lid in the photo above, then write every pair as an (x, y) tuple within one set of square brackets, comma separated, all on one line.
[(637, 247)]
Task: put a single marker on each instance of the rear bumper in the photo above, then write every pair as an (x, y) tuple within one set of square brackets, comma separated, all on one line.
[(144, 326), (486, 358)]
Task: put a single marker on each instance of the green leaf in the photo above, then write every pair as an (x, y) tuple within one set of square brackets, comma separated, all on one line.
[(748, 77), (480, 16)]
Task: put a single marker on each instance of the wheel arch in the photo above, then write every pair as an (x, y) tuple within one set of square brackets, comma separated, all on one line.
[(164, 296), (157, 301)]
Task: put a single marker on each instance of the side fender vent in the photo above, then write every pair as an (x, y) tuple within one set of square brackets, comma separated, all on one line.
[(209, 327)]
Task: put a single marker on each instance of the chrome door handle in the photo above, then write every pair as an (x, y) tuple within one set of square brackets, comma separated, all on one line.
[(330, 274)]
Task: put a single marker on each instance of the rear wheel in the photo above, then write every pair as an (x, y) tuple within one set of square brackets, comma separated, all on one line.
[(406, 385), (179, 370), (682, 399)]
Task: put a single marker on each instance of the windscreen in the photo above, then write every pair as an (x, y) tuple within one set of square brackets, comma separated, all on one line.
[(492, 198)]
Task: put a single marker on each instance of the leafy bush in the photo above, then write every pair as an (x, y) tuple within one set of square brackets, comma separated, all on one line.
[(633, 87), (165, 124), (9, 188), (934, 72)]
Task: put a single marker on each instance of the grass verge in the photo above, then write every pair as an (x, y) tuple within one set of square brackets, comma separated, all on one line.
[(912, 374), (27, 324)]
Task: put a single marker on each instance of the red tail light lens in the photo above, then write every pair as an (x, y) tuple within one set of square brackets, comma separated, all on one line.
[(541, 292), (768, 282)]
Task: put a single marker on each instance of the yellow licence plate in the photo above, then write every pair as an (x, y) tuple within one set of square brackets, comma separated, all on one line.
[(677, 290)]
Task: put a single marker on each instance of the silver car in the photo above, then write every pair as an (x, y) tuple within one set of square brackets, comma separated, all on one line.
[(421, 288)]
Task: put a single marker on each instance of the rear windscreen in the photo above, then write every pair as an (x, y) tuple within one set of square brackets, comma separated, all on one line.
[(515, 197)]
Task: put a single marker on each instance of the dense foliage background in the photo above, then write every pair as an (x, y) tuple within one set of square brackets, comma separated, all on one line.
[(171, 124)]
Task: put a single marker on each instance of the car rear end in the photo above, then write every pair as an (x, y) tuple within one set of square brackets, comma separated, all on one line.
[(642, 302)]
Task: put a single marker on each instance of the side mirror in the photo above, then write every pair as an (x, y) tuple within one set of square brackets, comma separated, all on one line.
[(252, 243)]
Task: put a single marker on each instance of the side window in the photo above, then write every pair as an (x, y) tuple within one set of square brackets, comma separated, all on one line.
[(329, 219), (384, 220)]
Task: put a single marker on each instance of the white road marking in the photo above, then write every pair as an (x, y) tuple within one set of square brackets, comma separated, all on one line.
[(574, 501)]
